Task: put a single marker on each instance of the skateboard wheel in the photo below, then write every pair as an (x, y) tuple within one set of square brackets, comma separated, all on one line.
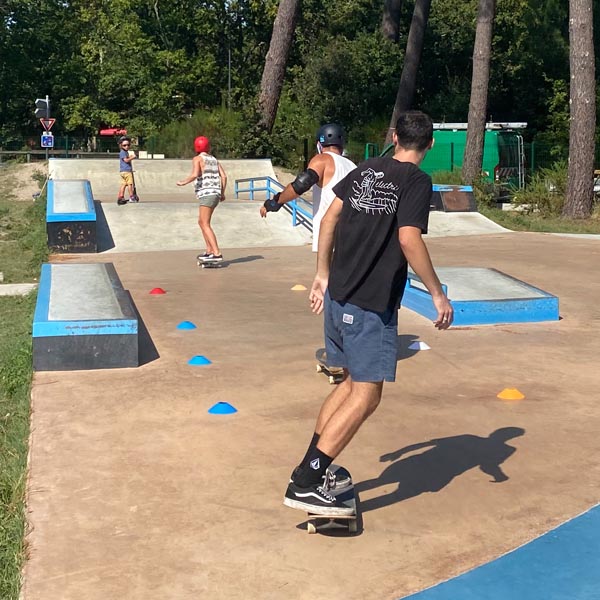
[(319, 368), (311, 527), (331, 379), (352, 526)]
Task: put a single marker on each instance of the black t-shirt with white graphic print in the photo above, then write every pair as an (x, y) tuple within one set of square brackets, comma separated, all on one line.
[(368, 267)]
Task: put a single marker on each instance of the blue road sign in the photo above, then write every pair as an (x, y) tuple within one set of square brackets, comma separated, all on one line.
[(47, 140)]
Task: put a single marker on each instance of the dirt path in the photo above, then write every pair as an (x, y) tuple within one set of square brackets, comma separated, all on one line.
[(20, 181)]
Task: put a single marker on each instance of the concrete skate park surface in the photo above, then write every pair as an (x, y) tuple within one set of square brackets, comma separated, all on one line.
[(137, 492), (166, 218)]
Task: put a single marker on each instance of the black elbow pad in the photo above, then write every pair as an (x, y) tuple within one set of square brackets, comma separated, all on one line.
[(304, 181)]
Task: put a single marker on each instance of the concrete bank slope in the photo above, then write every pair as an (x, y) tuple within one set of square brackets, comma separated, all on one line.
[(136, 491), (155, 179), (152, 226), (173, 226)]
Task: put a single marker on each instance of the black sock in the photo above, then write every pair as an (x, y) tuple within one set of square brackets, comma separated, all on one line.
[(311, 473), (311, 447)]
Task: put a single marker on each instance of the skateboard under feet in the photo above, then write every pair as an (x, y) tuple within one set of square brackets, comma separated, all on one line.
[(209, 265), (331, 522), (335, 374)]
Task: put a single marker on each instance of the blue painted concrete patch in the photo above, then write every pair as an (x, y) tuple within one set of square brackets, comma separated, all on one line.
[(563, 564), (45, 326), (85, 210), (533, 306)]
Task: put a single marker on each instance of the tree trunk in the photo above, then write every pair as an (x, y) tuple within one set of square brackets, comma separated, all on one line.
[(390, 21), (412, 58), (276, 61), (580, 183), (473, 157)]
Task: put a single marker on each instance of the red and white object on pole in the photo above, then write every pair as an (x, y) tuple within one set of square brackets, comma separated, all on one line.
[(47, 123)]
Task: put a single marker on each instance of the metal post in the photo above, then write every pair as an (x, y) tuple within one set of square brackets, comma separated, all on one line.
[(47, 117), (451, 157)]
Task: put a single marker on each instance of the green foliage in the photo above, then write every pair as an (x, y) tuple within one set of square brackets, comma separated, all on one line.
[(556, 136), (332, 83), (222, 127), (519, 221), (449, 177), (144, 65), (22, 236), (546, 192)]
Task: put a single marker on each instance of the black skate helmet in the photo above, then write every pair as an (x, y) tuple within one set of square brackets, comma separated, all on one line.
[(331, 134)]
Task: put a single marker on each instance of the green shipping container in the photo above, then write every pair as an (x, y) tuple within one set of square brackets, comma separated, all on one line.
[(503, 152)]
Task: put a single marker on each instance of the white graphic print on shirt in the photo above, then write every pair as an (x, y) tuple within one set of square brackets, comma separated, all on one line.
[(374, 197)]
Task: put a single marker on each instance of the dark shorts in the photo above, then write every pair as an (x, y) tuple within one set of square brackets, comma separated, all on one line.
[(363, 341)]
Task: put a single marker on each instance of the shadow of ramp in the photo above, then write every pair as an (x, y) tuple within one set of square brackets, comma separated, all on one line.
[(104, 239), (147, 351)]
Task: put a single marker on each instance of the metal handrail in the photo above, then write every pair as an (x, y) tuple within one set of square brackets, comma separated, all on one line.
[(297, 207)]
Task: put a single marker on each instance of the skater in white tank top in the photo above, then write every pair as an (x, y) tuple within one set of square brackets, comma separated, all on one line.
[(324, 170)]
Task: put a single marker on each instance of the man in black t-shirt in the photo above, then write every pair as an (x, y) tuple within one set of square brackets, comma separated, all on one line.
[(375, 223)]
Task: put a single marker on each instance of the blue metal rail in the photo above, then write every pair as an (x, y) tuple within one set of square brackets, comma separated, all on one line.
[(299, 208)]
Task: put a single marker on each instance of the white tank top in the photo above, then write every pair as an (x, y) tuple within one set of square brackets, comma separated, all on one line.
[(209, 181), (323, 197)]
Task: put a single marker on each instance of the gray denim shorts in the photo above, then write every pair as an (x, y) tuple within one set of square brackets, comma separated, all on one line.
[(363, 341), (211, 200)]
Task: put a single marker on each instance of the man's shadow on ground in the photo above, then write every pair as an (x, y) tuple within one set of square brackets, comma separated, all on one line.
[(445, 459)]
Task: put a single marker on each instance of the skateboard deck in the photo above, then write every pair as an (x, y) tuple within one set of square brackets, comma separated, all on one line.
[(334, 374), (210, 265), (328, 522)]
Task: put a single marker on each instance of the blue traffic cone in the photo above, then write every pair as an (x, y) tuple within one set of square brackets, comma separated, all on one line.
[(222, 408), (199, 360)]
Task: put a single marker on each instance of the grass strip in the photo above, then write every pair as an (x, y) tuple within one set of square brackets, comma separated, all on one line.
[(16, 316), (23, 248), (518, 221)]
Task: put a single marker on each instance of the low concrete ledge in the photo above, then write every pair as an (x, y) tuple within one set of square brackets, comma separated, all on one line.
[(453, 198), (84, 319), (482, 296), (70, 216)]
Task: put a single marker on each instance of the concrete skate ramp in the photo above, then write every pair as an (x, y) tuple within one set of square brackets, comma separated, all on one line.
[(468, 223), (155, 179), (151, 226)]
